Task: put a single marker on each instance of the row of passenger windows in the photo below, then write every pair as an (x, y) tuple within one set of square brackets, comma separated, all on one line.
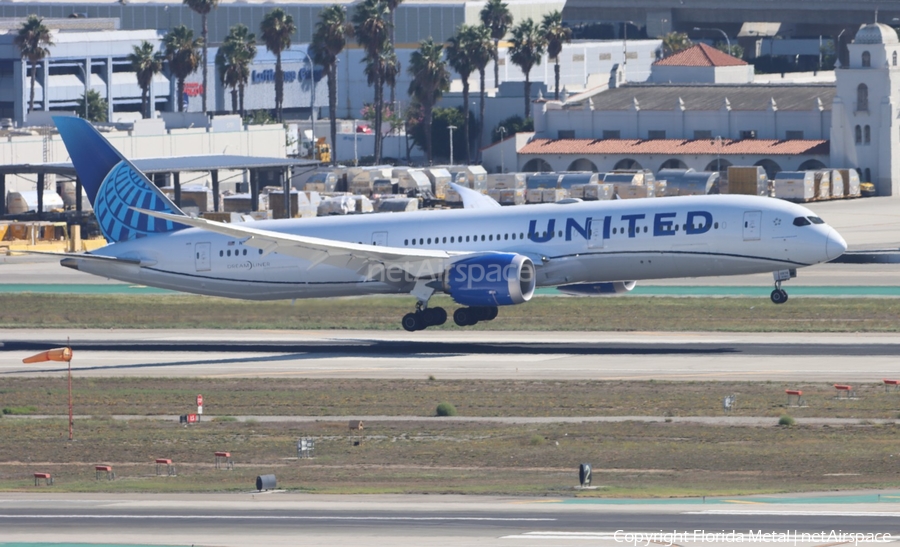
[(454, 239), (542, 235), (237, 252)]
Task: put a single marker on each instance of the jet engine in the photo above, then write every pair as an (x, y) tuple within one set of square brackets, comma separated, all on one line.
[(496, 279), (597, 289)]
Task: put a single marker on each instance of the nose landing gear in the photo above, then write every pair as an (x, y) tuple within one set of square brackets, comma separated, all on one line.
[(779, 295)]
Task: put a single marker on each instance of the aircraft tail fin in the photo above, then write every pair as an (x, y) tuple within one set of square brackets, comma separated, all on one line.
[(113, 185)]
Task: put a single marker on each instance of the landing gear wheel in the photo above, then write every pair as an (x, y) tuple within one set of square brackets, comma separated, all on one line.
[(413, 322), (492, 313), (440, 316), (779, 296), (429, 317), (464, 317)]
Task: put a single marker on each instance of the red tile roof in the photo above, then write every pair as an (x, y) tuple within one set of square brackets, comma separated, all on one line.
[(700, 55), (675, 147)]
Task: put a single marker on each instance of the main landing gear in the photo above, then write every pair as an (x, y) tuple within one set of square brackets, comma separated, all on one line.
[(423, 318), (466, 317), (779, 295)]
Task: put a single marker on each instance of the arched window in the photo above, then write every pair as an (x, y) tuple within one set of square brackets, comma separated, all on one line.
[(868, 133), (894, 59), (536, 165), (627, 163), (862, 98), (866, 59), (770, 166), (811, 165), (583, 164), (858, 135)]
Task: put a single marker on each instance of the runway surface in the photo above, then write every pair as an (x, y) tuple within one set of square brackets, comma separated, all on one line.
[(452, 355), (276, 519)]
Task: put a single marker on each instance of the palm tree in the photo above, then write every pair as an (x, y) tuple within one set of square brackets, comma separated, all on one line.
[(496, 16), (555, 34), (229, 70), (276, 29), (430, 78), (146, 63), (183, 55), (203, 7), (329, 40), (674, 42), (483, 50), (392, 6), (390, 69), (97, 107), (371, 28), (33, 42), (460, 55), (527, 49), (233, 62)]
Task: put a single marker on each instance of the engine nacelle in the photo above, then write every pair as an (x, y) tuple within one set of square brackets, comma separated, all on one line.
[(497, 279), (597, 289)]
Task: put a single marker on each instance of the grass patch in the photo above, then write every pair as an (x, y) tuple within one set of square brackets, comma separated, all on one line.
[(786, 421), (229, 397), (629, 459), (446, 409), (628, 313), (14, 410)]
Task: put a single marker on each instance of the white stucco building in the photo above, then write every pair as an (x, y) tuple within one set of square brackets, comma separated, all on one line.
[(864, 130), (701, 109)]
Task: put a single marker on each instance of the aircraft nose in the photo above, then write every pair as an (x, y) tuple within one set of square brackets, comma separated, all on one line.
[(834, 245)]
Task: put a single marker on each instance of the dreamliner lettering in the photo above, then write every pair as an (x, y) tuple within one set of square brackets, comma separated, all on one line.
[(697, 222)]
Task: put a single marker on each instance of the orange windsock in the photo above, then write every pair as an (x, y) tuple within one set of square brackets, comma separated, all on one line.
[(58, 354)]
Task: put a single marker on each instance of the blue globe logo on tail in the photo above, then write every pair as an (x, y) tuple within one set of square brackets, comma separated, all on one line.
[(122, 189), (113, 185)]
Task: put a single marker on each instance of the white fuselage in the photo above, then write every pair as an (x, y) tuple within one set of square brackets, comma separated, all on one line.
[(584, 242)]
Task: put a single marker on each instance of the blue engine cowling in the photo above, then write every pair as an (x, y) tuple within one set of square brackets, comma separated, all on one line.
[(497, 279), (597, 289)]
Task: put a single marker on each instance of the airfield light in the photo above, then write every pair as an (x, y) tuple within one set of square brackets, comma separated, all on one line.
[(58, 354)]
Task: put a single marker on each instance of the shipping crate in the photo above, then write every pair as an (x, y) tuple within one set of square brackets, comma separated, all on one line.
[(797, 186), (511, 196), (837, 184), (823, 184), (751, 181), (851, 182), (552, 195), (634, 191)]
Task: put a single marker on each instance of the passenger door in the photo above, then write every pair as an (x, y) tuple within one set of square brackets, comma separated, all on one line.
[(596, 241), (752, 221), (202, 256)]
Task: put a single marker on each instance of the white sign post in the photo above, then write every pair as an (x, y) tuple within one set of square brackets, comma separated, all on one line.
[(199, 404)]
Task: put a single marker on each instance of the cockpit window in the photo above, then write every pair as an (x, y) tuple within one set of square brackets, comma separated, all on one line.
[(816, 220), (801, 221)]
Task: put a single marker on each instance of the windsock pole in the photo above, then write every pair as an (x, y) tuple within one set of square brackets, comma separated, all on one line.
[(58, 354)]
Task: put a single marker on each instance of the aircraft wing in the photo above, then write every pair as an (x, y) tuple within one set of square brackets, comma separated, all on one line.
[(419, 263)]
